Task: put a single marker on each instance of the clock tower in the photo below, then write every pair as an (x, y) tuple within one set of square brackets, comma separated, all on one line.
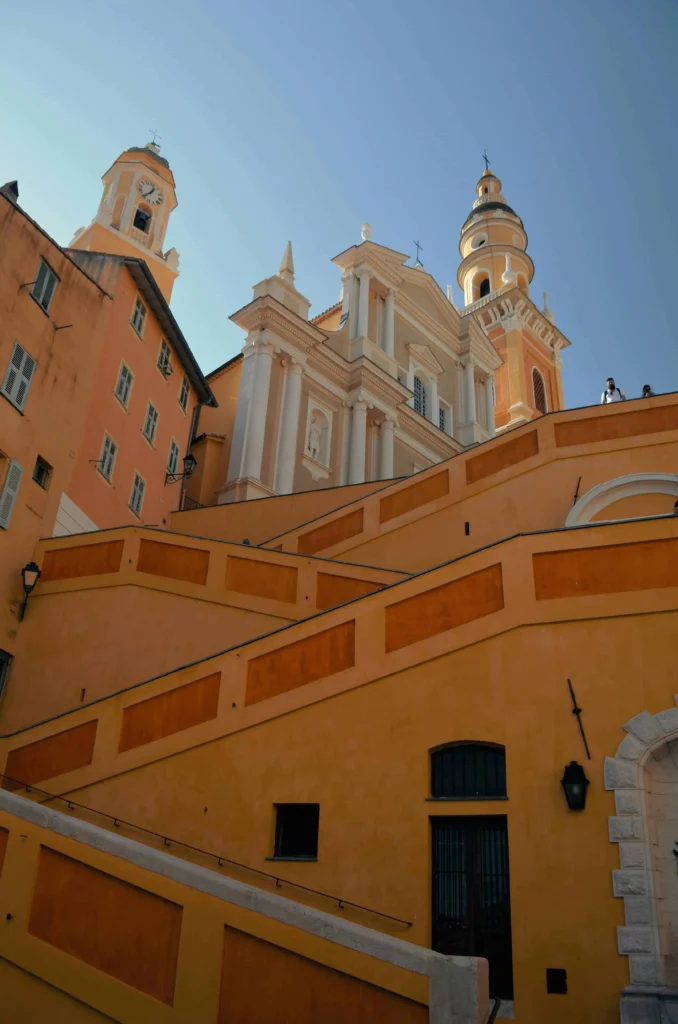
[(133, 214)]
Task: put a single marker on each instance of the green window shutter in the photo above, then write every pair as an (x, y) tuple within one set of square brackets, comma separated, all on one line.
[(9, 493)]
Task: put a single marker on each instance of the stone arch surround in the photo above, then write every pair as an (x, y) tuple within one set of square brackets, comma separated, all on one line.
[(650, 999), (602, 495)]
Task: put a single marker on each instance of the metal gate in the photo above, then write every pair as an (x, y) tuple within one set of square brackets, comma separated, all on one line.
[(471, 899)]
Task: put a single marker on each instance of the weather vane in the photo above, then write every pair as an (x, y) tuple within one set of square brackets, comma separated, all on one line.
[(486, 159), (154, 133), (419, 246)]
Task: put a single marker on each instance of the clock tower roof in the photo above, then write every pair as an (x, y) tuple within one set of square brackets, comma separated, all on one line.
[(149, 156)]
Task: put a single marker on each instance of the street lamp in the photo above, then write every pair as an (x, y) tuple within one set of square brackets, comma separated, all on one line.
[(190, 463), (575, 784), (30, 575)]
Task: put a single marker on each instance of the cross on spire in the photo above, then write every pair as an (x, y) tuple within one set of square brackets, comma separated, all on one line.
[(154, 133), (419, 246), (486, 159)]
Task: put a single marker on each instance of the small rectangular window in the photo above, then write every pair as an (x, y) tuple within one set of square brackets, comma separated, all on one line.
[(173, 458), (124, 385), (151, 423), (42, 472), (165, 359), (9, 493), (183, 394), (138, 317), (296, 831), (18, 376), (5, 662), (108, 453), (137, 498), (43, 288), (441, 418)]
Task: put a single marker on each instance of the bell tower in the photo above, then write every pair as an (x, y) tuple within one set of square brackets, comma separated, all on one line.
[(495, 274), (138, 198)]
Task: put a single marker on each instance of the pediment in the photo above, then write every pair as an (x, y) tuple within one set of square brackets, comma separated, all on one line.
[(424, 357)]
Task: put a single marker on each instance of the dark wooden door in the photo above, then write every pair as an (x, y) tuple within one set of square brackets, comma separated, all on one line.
[(471, 899)]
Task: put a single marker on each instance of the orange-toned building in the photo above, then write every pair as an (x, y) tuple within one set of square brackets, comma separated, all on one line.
[(392, 750), (98, 394)]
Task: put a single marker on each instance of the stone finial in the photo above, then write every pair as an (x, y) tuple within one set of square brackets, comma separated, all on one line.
[(366, 232), (548, 313), (509, 277), (286, 271)]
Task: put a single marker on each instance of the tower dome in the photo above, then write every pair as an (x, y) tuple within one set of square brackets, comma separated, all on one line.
[(492, 245)]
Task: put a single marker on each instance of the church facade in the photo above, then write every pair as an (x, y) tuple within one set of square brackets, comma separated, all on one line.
[(389, 381)]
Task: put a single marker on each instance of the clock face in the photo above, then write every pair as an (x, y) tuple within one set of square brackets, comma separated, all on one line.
[(150, 192)]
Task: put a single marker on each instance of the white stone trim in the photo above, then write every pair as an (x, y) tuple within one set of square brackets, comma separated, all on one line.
[(638, 938), (458, 985), (605, 494)]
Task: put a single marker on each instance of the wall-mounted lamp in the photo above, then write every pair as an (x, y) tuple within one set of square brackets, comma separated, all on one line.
[(190, 462), (575, 784), (30, 575)]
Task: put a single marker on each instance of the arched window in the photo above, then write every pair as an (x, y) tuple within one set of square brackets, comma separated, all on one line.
[(468, 771), (142, 220), (419, 396), (539, 389), (484, 287)]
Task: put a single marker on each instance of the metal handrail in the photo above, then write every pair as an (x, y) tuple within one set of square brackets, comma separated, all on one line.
[(221, 860)]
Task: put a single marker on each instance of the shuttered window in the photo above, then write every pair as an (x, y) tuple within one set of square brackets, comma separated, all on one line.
[(9, 493), (18, 376), (124, 385), (108, 453), (539, 388), (138, 317), (151, 423), (173, 458), (137, 498), (44, 286), (183, 394), (468, 771), (165, 360)]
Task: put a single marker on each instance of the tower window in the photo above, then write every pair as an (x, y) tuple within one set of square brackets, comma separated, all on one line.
[(142, 220), (419, 396), (539, 389), (484, 288)]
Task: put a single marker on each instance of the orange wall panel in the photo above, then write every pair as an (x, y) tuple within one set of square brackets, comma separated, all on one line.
[(613, 569), (300, 663), (173, 561), (170, 712), (261, 579), (626, 424), (124, 931), (55, 755), (413, 496), (504, 455), (333, 590), (86, 560), (442, 608), (261, 983), (332, 533)]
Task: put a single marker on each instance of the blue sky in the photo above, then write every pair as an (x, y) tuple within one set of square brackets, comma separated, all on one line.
[(303, 118)]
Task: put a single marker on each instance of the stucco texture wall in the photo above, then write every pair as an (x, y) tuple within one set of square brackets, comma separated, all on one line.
[(363, 756)]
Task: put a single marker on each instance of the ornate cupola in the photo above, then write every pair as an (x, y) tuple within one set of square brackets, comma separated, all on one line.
[(492, 245)]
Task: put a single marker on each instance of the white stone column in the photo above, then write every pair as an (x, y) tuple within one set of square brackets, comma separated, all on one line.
[(469, 370), (489, 403), (346, 294), (433, 413), (389, 323), (356, 470), (410, 383), (386, 449), (289, 428), (363, 302), (254, 441)]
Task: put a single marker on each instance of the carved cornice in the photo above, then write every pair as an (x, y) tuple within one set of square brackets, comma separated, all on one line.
[(516, 304), (266, 313), (410, 422)]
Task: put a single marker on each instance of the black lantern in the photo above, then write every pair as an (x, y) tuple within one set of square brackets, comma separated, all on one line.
[(575, 784), (190, 463), (30, 575)]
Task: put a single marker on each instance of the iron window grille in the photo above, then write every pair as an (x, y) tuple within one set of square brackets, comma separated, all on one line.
[(468, 771)]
